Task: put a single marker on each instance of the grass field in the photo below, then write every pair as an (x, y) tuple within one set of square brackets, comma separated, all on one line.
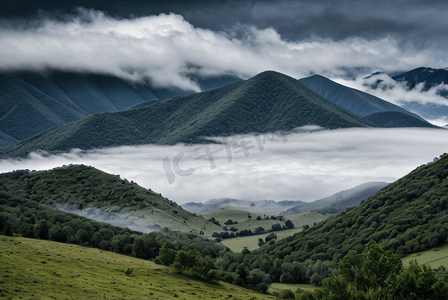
[(251, 242), (277, 287), (38, 269), (244, 223), (434, 257)]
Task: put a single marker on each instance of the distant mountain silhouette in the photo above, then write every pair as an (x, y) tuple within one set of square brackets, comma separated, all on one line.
[(430, 78), (364, 104), (337, 202)]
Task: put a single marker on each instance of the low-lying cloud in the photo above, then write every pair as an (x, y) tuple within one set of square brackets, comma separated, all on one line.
[(300, 166), (165, 49), (110, 218)]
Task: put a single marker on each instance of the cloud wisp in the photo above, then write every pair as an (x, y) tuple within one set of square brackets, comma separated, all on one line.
[(110, 218), (165, 49), (306, 166)]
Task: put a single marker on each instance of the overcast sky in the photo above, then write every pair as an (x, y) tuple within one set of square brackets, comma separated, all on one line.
[(162, 41)]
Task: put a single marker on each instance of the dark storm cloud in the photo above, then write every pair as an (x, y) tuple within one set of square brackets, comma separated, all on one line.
[(137, 40), (418, 22)]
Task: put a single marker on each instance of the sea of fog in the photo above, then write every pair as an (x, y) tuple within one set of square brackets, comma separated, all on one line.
[(306, 165)]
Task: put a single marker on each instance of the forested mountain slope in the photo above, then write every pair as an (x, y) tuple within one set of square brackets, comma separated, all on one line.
[(267, 102)]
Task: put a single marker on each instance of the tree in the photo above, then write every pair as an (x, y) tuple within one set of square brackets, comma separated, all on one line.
[(289, 224), (41, 229), (167, 255), (271, 236), (286, 294), (259, 230), (241, 275), (186, 259), (276, 227), (56, 233)]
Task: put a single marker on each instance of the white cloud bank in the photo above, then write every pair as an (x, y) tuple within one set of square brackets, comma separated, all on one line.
[(166, 48), (305, 166)]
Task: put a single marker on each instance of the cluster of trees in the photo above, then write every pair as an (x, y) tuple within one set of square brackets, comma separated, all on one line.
[(189, 261), (255, 271), (379, 274), (247, 232)]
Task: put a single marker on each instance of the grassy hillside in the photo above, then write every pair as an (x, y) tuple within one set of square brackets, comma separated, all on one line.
[(434, 257), (81, 187), (36, 269), (267, 102), (409, 215)]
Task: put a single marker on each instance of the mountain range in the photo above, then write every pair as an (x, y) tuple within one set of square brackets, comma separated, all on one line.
[(332, 204), (430, 78), (374, 109), (339, 201), (32, 102), (59, 111), (268, 102)]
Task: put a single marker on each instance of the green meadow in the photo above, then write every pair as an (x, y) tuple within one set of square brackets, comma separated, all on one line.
[(277, 287), (434, 257), (251, 242), (240, 215), (39, 269)]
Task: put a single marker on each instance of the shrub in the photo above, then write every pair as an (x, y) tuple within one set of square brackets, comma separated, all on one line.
[(286, 294)]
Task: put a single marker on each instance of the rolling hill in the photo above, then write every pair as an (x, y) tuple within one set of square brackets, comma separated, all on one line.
[(38, 269), (97, 195), (268, 102), (365, 105)]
